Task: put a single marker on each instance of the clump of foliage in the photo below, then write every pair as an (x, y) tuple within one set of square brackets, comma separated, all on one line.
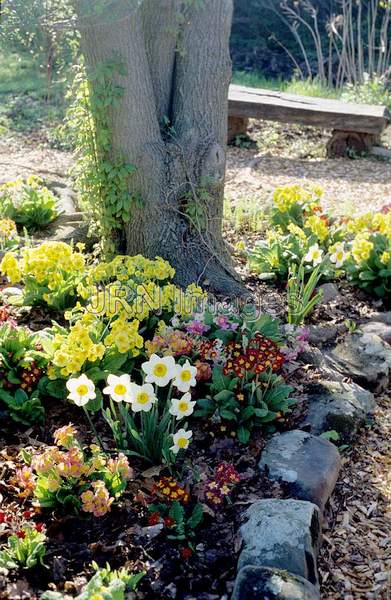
[(369, 91), (107, 584), (246, 391), (28, 203), (172, 508), (301, 294), (140, 416), (301, 234), (22, 364), (68, 477), (33, 29), (8, 234), (25, 549), (368, 263), (50, 273), (297, 223)]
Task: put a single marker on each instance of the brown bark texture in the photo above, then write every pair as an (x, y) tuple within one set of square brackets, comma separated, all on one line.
[(171, 125)]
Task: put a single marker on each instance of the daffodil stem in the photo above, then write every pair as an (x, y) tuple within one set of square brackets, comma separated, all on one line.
[(93, 428)]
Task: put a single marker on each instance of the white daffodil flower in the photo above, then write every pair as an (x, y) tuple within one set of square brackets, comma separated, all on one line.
[(143, 397), (118, 388), (185, 377), (159, 370), (339, 255), (314, 255), (181, 440), (81, 390), (184, 407)]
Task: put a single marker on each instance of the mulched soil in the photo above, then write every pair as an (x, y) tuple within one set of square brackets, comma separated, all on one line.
[(123, 537), (355, 559)]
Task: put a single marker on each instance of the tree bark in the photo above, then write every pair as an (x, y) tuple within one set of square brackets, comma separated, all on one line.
[(172, 126)]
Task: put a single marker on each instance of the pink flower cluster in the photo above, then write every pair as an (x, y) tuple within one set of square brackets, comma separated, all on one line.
[(72, 467), (97, 500), (171, 342)]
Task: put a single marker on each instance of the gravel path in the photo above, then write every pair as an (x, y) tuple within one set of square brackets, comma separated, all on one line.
[(355, 559), (283, 155), (350, 185)]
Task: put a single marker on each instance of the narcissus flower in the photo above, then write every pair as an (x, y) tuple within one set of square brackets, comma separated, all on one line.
[(159, 370), (314, 255), (339, 255), (183, 407), (181, 440), (119, 388), (185, 377), (143, 397), (81, 390)]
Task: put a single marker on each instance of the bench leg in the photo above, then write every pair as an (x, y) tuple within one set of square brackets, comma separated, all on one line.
[(236, 126), (343, 143)]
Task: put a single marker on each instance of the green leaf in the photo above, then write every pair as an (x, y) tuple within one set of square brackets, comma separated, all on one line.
[(243, 435), (224, 396), (228, 415), (247, 413), (196, 516)]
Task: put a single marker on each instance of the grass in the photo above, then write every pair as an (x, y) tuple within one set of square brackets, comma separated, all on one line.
[(295, 86), (19, 75), (26, 103)]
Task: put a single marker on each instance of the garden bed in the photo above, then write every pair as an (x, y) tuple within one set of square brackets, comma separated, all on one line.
[(239, 387)]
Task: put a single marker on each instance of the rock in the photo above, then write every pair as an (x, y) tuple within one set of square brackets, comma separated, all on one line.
[(338, 406), (365, 358), (284, 534), (319, 335), (66, 198), (11, 291), (73, 231), (382, 317), (330, 293), (314, 356), (309, 465), (260, 583), (382, 330)]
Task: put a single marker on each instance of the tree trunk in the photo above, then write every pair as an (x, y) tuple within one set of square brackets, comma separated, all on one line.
[(171, 125)]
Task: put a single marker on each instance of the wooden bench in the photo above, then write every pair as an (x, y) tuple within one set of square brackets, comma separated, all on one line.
[(356, 127)]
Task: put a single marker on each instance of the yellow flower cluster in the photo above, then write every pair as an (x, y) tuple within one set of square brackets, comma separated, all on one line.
[(137, 287), (50, 262), (361, 247), (32, 181), (125, 336), (287, 196), (318, 226), (136, 268), (377, 222), (7, 229), (49, 265), (297, 232), (72, 351), (9, 267)]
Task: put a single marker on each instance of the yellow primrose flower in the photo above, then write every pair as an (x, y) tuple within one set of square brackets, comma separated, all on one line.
[(318, 226), (9, 267), (385, 257), (361, 248), (8, 229), (297, 231)]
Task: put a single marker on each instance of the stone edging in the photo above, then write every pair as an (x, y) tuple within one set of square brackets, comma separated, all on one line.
[(282, 538)]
